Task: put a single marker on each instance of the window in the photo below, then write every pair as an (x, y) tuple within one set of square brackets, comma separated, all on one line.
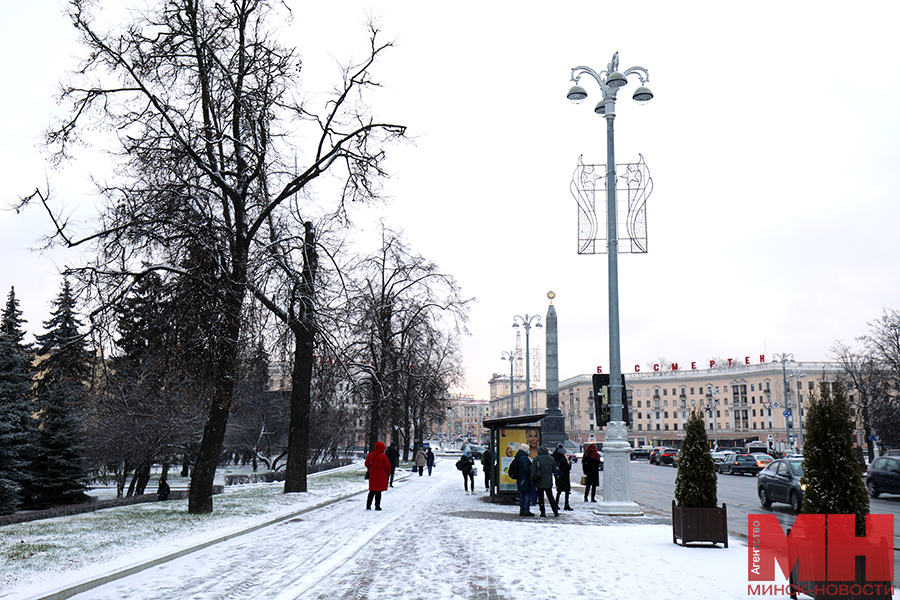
[(657, 426), (665, 402), (675, 427), (666, 415), (639, 402), (665, 391), (692, 391), (639, 426), (667, 426), (639, 415)]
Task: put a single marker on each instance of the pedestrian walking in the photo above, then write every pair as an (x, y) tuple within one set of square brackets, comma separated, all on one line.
[(393, 455), (563, 469), (590, 466), (542, 468), (520, 470), (429, 460), (421, 461), (379, 466), (487, 464), (465, 464)]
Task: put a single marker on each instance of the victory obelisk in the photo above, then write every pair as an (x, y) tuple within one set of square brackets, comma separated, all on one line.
[(553, 426)]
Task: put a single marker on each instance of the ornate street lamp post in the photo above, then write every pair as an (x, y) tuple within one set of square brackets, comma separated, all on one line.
[(526, 323), (511, 357), (712, 405), (617, 470), (784, 359)]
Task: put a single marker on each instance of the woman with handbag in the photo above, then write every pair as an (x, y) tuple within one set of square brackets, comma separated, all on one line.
[(379, 474), (590, 465)]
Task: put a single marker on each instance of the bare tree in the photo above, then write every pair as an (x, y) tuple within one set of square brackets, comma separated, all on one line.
[(199, 97), (399, 293), (865, 380)]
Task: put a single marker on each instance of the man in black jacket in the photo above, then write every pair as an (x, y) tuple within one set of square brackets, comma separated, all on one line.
[(393, 455)]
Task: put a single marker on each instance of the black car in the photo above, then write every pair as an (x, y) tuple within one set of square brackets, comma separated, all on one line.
[(884, 476), (780, 482), (666, 456), (739, 464), (639, 453)]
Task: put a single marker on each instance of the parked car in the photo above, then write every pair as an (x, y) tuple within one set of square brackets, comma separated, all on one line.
[(884, 476), (892, 453), (667, 456), (738, 464), (762, 459), (780, 482)]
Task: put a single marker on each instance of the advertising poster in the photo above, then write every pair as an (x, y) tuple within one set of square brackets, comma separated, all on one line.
[(510, 438)]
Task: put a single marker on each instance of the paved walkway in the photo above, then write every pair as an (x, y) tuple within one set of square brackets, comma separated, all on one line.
[(432, 541)]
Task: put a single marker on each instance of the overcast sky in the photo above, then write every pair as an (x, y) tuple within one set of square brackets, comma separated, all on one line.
[(771, 141)]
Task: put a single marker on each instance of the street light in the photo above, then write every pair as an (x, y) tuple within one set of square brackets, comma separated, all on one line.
[(617, 495), (712, 404), (526, 323), (784, 359), (511, 357), (797, 374)]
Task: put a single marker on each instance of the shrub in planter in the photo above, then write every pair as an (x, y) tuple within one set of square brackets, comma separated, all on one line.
[(834, 484), (695, 516)]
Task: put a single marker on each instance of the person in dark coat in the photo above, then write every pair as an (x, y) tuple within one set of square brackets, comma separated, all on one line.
[(429, 461), (542, 468), (487, 464), (379, 467), (393, 455), (564, 468), (523, 481), (590, 465), (467, 463)]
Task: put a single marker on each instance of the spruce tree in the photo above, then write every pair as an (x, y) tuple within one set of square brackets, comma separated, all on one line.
[(16, 424), (831, 469), (695, 483), (64, 371)]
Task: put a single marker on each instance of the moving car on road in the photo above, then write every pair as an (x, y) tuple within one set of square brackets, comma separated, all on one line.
[(738, 464), (667, 456), (780, 482)]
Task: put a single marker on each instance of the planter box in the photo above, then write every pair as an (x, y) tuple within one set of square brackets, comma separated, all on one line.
[(709, 525)]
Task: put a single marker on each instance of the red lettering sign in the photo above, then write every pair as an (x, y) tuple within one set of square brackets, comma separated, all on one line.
[(805, 547)]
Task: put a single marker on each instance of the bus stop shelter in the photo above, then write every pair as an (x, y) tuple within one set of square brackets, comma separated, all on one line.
[(506, 433)]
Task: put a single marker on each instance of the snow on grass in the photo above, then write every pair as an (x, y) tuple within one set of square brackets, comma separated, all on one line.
[(41, 550)]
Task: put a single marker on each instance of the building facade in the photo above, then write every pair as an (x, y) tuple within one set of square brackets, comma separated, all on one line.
[(741, 403), (465, 415)]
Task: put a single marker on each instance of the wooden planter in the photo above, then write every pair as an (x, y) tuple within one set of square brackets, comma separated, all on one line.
[(709, 525)]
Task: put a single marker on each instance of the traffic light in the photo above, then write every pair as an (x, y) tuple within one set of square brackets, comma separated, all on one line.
[(601, 400)]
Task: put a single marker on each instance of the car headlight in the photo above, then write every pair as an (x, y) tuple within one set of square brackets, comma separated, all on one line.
[(803, 487)]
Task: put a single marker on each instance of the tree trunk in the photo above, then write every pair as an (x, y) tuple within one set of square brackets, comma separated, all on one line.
[(210, 450), (298, 435), (304, 329), (142, 477)]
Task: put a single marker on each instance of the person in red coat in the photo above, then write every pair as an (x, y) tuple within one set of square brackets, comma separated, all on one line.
[(379, 466)]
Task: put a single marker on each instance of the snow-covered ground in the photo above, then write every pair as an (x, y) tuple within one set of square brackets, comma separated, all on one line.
[(432, 541)]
